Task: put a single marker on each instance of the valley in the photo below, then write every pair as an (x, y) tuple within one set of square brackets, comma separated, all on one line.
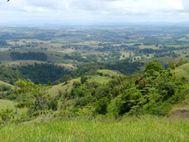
[(83, 83)]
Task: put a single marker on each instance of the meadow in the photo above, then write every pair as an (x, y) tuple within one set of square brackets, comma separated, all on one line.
[(130, 129)]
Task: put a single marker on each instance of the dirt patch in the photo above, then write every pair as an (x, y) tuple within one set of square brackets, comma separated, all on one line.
[(180, 113)]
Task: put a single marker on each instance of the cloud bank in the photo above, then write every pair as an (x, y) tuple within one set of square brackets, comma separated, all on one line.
[(93, 11)]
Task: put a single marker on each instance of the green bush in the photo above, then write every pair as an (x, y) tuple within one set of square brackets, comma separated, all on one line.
[(101, 107), (6, 116)]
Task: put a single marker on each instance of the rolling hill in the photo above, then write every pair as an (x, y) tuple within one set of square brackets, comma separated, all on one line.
[(6, 104), (101, 77), (181, 110), (182, 71), (2, 83)]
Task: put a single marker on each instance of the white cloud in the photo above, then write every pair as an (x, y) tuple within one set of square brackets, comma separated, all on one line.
[(93, 10), (186, 4)]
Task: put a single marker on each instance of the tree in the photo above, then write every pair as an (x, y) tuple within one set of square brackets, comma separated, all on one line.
[(83, 79), (101, 107), (34, 97), (154, 66)]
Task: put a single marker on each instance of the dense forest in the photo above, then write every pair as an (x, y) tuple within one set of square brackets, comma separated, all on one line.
[(42, 73)]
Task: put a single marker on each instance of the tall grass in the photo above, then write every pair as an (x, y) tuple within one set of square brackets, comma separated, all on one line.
[(145, 129), (6, 104)]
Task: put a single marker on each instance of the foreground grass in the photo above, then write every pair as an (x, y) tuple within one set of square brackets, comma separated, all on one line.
[(146, 129)]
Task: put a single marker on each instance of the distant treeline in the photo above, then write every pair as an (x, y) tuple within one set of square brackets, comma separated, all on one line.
[(126, 67), (43, 73), (10, 74), (3, 43), (29, 56)]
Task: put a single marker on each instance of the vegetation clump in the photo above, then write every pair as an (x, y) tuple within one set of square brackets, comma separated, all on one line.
[(153, 92)]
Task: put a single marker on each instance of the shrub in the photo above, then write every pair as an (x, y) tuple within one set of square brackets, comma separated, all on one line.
[(6, 116), (101, 107)]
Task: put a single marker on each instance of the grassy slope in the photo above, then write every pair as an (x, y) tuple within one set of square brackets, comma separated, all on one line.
[(146, 129), (32, 62), (109, 73), (66, 88), (181, 110), (4, 83), (182, 71), (102, 79), (63, 88), (11, 105), (6, 104), (99, 79)]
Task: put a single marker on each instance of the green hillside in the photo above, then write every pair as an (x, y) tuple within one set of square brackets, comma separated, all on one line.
[(5, 84), (101, 77), (62, 87), (6, 104), (110, 73), (67, 87), (181, 110), (182, 71)]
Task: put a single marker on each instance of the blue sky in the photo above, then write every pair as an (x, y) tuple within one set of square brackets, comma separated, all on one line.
[(92, 11)]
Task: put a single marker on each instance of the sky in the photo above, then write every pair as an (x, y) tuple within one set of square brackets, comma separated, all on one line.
[(73, 12)]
